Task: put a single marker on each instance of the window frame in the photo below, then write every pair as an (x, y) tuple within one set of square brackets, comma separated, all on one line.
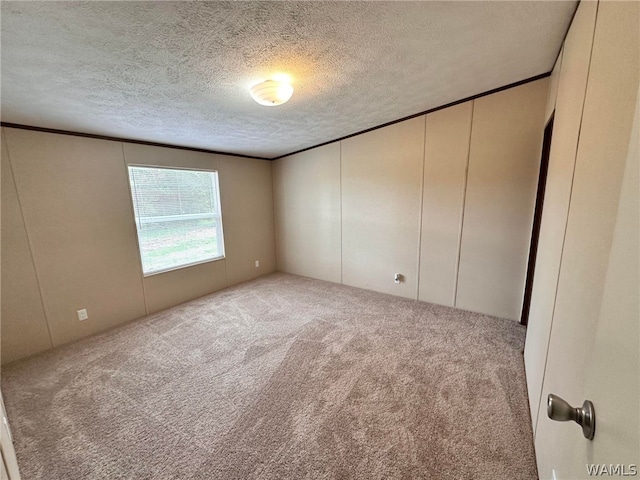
[(217, 217)]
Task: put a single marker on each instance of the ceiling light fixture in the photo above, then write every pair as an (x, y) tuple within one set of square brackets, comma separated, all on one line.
[(271, 93)]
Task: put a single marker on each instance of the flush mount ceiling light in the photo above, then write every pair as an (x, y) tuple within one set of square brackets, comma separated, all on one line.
[(271, 93)]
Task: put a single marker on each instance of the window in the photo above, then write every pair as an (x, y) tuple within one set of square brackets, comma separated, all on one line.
[(177, 215)]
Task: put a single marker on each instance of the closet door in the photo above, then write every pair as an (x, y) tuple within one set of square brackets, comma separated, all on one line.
[(572, 85), (594, 345)]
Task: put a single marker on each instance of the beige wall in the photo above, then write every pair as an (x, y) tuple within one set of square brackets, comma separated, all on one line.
[(405, 198), (247, 215), (446, 160), (356, 211), (170, 288), (309, 230), (78, 221), (246, 194), (381, 196), (572, 83), (20, 290), (77, 212), (504, 162)]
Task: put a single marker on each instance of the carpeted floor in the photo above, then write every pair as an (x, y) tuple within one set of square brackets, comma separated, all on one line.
[(280, 378)]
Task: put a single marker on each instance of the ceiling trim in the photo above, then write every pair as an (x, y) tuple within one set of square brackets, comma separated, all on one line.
[(125, 140), (204, 150), (431, 110)]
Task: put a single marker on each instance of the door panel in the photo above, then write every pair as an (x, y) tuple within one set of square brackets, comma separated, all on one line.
[(582, 318), (613, 376), (9, 461), (572, 85)]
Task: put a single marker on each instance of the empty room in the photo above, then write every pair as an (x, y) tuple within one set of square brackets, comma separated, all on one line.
[(308, 240)]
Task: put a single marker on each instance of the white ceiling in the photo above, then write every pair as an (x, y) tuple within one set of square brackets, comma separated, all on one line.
[(179, 72)]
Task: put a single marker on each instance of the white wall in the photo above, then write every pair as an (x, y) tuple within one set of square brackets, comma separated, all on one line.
[(405, 201)]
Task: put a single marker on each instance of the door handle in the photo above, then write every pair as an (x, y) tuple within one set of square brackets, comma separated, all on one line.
[(561, 411)]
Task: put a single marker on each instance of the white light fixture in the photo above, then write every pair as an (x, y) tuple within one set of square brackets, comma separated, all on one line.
[(271, 93)]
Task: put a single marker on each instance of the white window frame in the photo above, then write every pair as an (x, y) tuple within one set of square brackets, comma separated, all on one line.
[(216, 216)]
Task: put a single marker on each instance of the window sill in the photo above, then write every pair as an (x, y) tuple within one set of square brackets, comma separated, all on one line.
[(181, 267)]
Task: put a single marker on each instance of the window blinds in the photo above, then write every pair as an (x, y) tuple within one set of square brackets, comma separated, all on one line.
[(177, 213)]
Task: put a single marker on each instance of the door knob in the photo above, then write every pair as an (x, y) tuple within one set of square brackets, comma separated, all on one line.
[(559, 410)]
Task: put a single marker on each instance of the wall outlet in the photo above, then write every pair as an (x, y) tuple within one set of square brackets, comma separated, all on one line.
[(257, 263), (82, 314), (397, 278)]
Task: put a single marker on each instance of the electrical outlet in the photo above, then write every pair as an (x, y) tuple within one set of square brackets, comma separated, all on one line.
[(257, 263), (82, 314), (397, 278)]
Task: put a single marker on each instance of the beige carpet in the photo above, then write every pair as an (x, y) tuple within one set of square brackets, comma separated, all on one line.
[(280, 378)]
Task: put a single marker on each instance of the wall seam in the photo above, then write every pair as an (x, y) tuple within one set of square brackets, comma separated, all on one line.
[(566, 227), (29, 243), (341, 220), (462, 207), (559, 65), (422, 183), (275, 220), (135, 226)]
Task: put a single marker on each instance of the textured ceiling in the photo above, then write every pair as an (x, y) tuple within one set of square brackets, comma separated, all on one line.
[(179, 72)]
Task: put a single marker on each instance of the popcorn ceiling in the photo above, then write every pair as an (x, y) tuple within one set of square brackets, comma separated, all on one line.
[(179, 72)]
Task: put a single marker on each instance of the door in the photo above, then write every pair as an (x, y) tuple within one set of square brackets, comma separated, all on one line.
[(594, 344), (537, 221), (9, 462), (571, 72)]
